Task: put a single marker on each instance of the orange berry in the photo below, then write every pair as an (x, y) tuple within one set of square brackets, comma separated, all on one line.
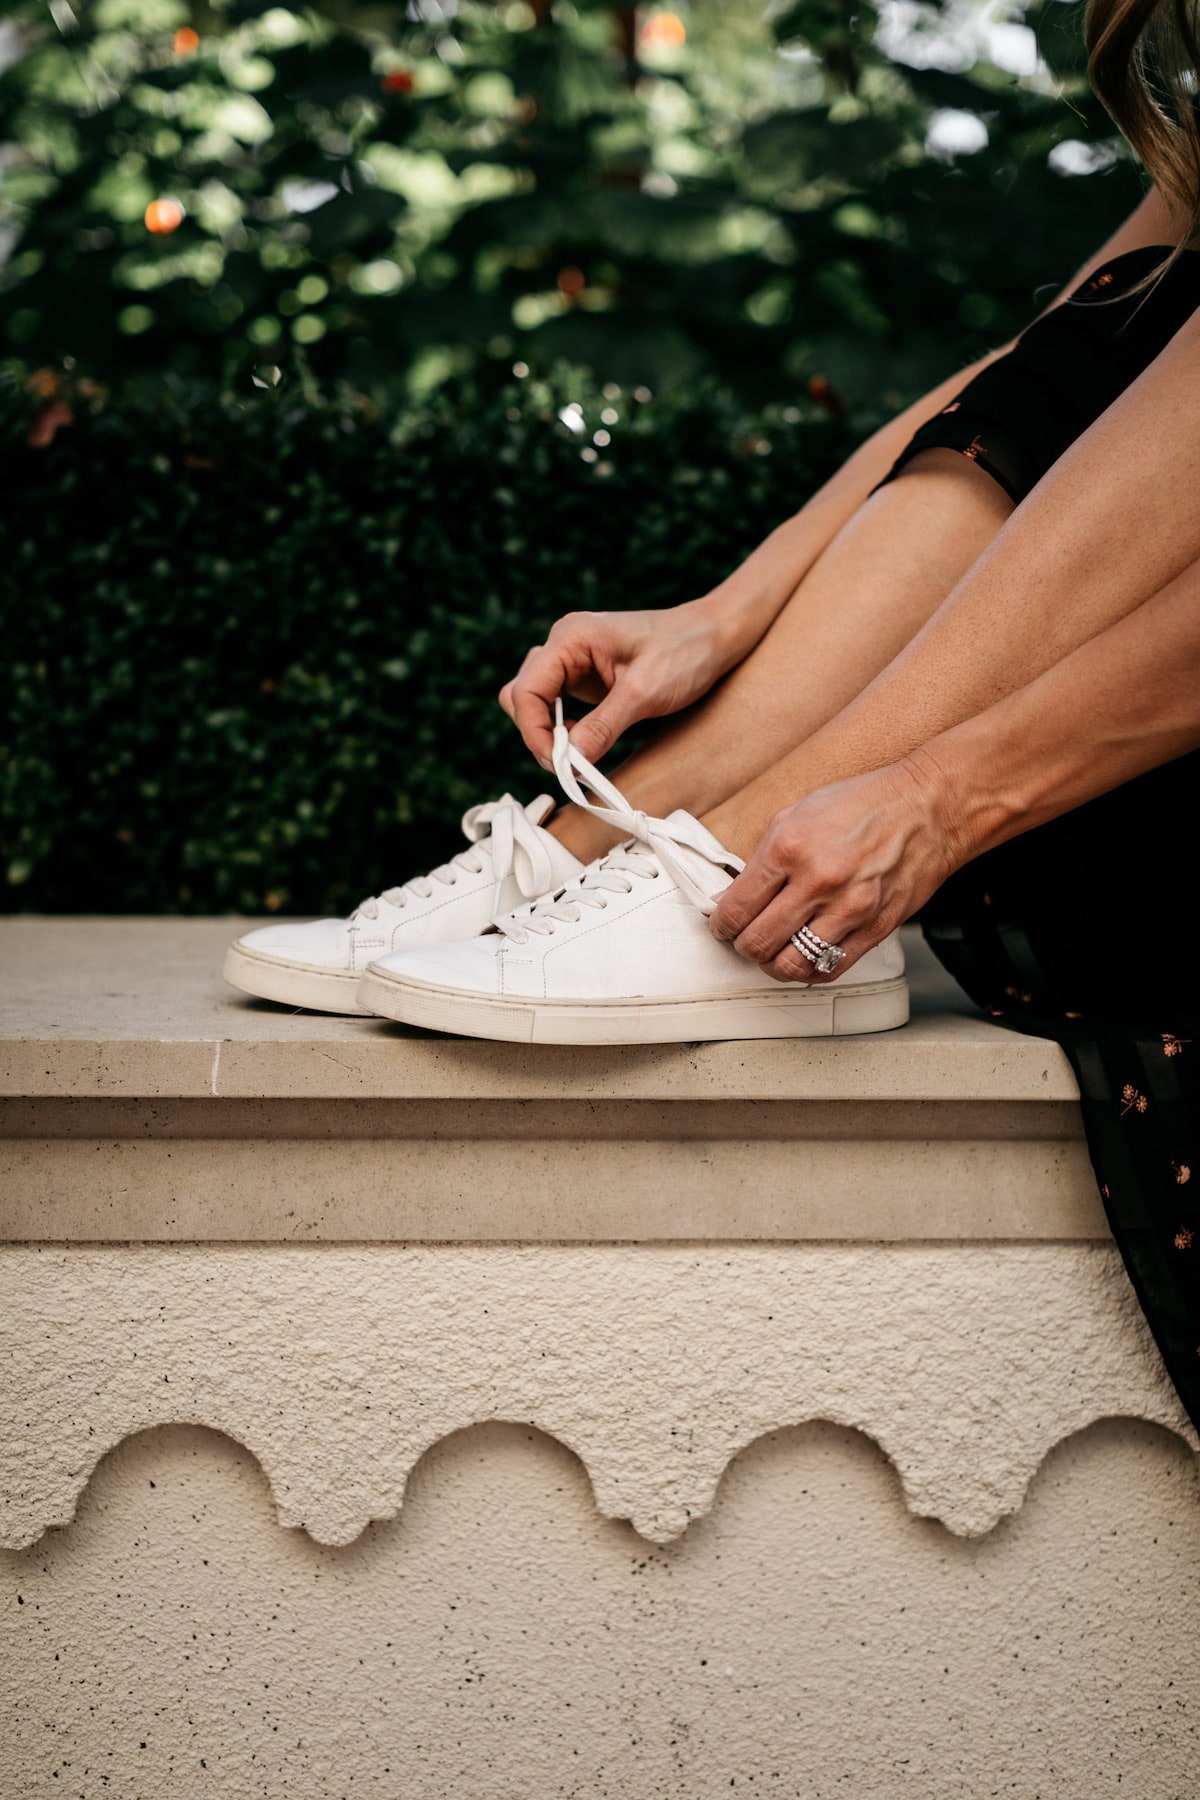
[(163, 215), (663, 31)]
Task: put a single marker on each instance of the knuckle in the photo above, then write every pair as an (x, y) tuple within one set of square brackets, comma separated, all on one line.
[(784, 840), (728, 925), (834, 872)]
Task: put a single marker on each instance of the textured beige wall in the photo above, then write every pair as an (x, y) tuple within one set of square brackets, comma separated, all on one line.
[(568, 1519), (338, 1366), (505, 1634), (500, 1640)]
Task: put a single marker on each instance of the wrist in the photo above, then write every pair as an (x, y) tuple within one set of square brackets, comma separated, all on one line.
[(966, 807), (734, 623)]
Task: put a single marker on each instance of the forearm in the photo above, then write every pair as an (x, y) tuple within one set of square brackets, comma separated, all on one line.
[(1126, 701), (855, 858)]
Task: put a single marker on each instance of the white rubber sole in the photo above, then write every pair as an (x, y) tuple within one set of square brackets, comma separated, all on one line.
[(791, 1012), (293, 983)]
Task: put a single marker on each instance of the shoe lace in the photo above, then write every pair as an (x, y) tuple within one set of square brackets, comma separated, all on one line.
[(514, 846), (651, 842), (609, 876)]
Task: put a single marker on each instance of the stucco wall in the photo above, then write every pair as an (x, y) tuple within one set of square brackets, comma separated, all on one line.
[(500, 1640), (807, 1634)]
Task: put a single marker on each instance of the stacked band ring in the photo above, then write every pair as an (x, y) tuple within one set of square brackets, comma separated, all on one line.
[(823, 956)]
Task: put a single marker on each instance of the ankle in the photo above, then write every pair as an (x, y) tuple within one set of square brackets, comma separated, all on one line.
[(731, 830), (585, 837)]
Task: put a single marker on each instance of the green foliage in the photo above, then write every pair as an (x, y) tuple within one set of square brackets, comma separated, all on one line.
[(253, 641), (423, 189), (253, 635)]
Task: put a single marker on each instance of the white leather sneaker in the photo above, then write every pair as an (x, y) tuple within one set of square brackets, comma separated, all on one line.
[(511, 861), (623, 955)]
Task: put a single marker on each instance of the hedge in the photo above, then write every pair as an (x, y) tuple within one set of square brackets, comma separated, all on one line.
[(252, 640)]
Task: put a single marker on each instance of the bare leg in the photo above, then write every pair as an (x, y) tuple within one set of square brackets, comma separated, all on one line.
[(883, 576), (1108, 526)]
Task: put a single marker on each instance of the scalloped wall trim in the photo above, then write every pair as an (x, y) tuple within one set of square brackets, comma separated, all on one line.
[(338, 1367)]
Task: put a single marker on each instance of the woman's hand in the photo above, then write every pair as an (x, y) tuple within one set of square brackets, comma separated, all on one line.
[(633, 665), (852, 861)]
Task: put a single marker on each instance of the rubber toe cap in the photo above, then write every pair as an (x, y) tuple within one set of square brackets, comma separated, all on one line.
[(323, 943), (471, 967)]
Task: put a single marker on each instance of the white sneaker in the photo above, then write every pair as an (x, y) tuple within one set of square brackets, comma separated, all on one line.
[(511, 861), (624, 955)]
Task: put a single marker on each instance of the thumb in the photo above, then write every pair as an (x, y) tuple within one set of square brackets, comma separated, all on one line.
[(597, 732)]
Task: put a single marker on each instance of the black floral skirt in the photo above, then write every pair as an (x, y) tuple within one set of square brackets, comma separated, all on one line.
[(1073, 931)]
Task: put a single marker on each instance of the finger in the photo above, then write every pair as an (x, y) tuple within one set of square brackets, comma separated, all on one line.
[(746, 896), (789, 965), (792, 965), (591, 690), (505, 695), (765, 936), (541, 680), (548, 672), (598, 731)]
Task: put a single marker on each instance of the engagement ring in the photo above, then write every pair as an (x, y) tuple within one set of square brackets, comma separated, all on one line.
[(823, 956)]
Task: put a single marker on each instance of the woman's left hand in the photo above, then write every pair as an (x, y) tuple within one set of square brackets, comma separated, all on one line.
[(851, 861)]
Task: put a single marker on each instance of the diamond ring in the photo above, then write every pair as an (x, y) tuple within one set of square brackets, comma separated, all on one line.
[(823, 956)]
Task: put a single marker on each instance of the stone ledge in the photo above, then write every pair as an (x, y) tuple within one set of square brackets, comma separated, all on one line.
[(145, 1101), (137, 1009)]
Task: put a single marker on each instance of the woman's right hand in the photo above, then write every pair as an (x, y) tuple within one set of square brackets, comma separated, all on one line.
[(629, 665)]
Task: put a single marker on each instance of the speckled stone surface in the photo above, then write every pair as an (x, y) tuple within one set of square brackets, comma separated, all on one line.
[(141, 1098), (137, 1008), (503, 1641)]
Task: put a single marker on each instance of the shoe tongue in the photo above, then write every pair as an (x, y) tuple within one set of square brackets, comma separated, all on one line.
[(539, 810)]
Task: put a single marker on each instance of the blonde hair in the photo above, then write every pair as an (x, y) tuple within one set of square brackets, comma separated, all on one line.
[(1142, 61)]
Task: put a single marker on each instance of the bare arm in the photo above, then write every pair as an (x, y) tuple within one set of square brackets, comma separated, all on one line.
[(1064, 663), (639, 665), (859, 857), (1125, 702)]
